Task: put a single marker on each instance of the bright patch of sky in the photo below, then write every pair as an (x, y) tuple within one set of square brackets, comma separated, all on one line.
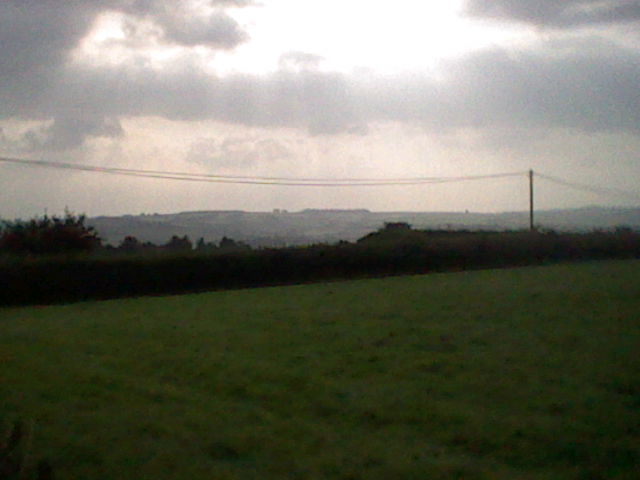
[(408, 36)]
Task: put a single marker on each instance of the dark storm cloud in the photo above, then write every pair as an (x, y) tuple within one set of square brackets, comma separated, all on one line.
[(557, 14)]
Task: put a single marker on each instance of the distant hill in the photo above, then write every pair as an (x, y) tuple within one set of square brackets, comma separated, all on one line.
[(280, 227)]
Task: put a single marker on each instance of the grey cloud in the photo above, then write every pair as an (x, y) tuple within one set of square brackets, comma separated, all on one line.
[(187, 26), (153, 6), (324, 103), (301, 60), (70, 132), (37, 82), (586, 85), (593, 89), (37, 35), (237, 152), (583, 85), (557, 14), (219, 30)]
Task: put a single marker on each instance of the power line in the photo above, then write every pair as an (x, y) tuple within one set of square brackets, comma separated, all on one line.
[(309, 181), (257, 180), (75, 166), (607, 191)]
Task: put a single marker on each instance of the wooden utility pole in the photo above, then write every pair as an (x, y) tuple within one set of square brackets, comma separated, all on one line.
[(531, 227)]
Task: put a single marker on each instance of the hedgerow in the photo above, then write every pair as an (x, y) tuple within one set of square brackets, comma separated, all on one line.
[(53, 279)]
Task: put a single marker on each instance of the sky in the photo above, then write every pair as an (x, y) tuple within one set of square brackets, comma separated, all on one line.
[(332, 89)]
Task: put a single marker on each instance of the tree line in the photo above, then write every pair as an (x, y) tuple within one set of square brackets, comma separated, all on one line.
[(69, 234)]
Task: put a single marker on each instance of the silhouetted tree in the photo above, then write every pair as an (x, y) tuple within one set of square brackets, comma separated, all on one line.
[(179, 244), (396, 226), (203, 246), (130, 244), (47, 235), (231, 245)]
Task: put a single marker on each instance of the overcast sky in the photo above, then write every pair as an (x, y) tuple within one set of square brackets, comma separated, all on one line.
[(330, 89)]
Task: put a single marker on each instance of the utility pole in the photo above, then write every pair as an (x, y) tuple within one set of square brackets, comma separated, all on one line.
[(531, 227)]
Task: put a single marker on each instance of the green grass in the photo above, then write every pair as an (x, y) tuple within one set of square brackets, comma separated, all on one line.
[(529, 373)]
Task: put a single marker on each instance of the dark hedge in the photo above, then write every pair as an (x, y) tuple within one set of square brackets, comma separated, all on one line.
[(43, 280)]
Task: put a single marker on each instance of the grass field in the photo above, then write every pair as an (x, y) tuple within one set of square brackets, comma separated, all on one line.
[(530, 373)]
